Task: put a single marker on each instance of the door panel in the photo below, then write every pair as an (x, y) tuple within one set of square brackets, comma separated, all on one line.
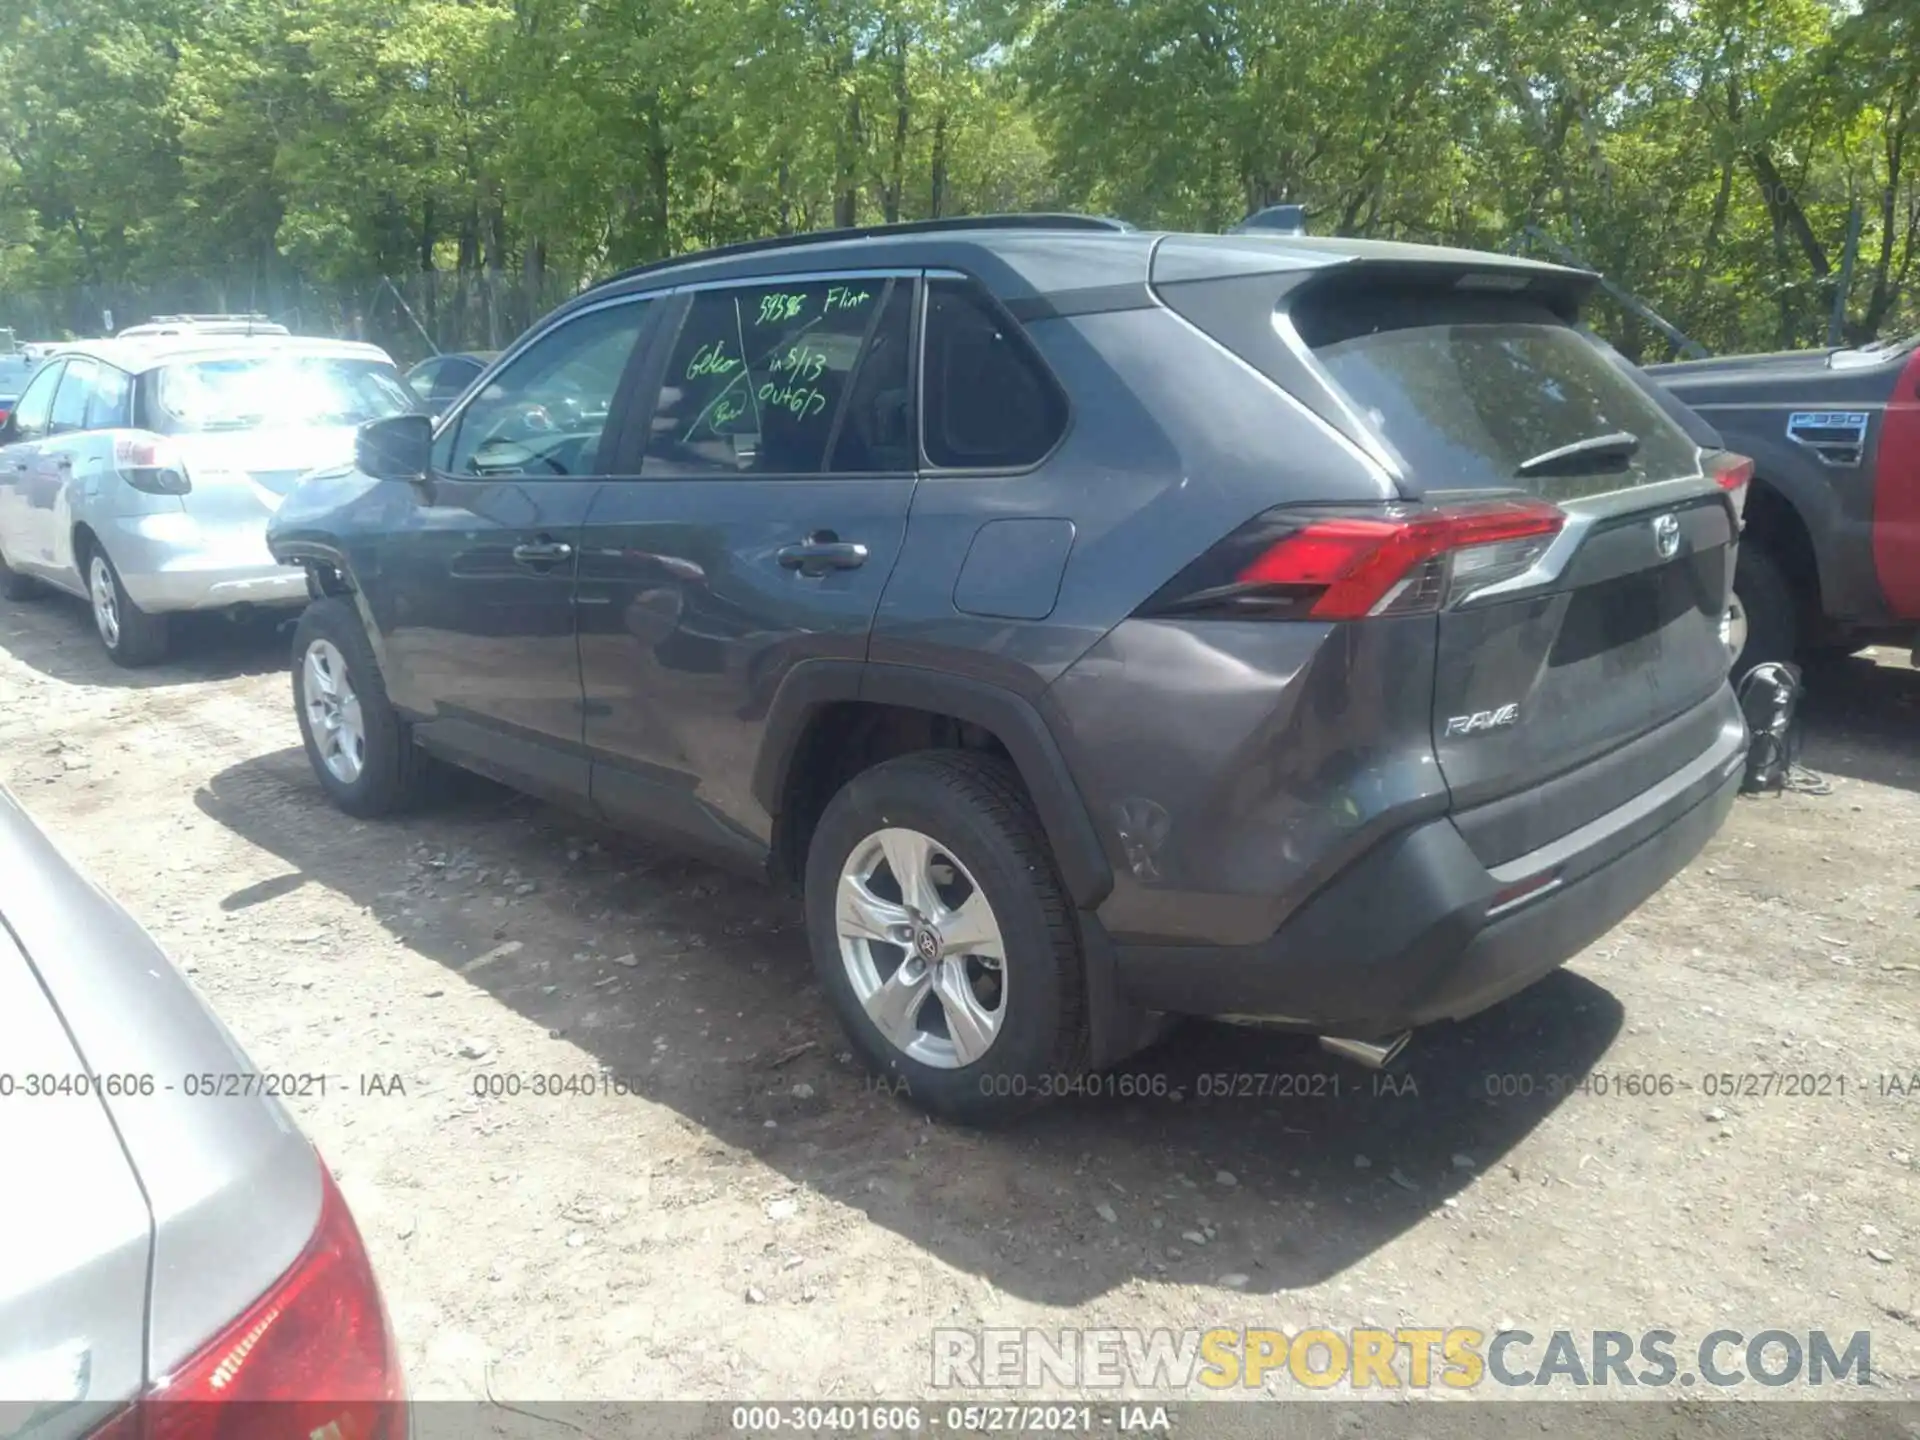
[(689, 621), (474, 590), (29, 476), (706, 579), (484, 632)]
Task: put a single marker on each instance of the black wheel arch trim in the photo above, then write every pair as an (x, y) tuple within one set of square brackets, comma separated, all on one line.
[(814, 684), (309, 553)]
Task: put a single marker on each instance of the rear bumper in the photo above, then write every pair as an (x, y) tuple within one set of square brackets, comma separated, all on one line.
[(169, 563), (1404, 936)]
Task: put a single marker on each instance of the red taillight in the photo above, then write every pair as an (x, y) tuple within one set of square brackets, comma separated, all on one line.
[(313, 1356), (1348, 567), (1730, 471), (4, 413), (152, 463)]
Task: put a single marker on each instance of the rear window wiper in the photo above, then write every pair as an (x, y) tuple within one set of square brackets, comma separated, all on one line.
[(1619, 445)]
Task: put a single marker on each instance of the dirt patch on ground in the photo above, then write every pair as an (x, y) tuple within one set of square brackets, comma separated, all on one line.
[(715, 1203)]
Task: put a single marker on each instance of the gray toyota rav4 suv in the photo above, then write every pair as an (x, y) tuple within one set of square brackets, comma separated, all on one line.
[(1096, 625)]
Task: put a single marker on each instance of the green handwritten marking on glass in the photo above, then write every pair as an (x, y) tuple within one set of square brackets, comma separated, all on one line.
[(801, 364), (780, 305), (800, 401), (712, 360), (724, 408), (846, 297)]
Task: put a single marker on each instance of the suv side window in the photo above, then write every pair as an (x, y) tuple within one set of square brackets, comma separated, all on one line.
[(544, 415), (107, 409), (30, 414), (991, 403), (755, 382), (70, 401)]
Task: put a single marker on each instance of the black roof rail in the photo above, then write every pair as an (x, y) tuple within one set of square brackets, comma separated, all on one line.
[(1037, 221)]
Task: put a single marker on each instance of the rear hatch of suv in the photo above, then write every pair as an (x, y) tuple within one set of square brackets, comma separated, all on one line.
[(1581, 542)]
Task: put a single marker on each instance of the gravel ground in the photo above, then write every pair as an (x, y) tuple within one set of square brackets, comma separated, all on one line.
[(737, 1212)]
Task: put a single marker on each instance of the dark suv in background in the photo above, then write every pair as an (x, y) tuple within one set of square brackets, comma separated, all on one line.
[(1095, 624)]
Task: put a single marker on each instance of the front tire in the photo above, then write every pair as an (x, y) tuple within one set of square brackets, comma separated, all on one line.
[(355, 740), (963, 980), (132, 637)]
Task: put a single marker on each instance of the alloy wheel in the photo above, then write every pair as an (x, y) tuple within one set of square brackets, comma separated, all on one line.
[(106, 600), (922, 948), (333, 712)]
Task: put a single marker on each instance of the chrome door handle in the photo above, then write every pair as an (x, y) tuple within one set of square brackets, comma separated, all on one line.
[(543, 552), (816, 557)]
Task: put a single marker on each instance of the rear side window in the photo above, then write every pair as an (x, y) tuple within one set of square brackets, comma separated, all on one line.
[(1468, 389), (70, 400), (991, 404), (756, 381), (107, 409)]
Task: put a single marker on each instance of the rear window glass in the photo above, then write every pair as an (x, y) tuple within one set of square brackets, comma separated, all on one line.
[(253, 392), (990, 402), (1466, 390)]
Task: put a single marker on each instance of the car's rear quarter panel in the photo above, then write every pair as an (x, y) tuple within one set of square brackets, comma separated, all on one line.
[(232, 1185), (1227, 768), (74, 1228)]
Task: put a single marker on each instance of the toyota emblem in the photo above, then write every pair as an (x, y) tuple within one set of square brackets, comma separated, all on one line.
[(1666, 536)]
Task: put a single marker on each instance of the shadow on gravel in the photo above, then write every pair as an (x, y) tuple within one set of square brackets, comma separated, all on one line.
[(1863, 720), (54, 634), (695, 988)]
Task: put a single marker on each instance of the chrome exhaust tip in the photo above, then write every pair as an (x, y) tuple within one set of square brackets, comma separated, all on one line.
[(1374, 1054)]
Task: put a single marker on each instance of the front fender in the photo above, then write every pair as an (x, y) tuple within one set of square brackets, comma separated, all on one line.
[(317, 527), (1841, 541)]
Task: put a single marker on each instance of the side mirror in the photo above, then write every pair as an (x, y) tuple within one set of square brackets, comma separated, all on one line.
[(398, 447)]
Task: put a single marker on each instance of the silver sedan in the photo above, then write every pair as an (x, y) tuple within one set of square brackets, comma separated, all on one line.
[(140, 473)]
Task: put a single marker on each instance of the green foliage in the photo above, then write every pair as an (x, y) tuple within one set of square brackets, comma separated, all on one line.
[(1711, 157)]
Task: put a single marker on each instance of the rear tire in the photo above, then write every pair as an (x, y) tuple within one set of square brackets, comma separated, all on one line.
[(358, 744), (968, 816), (1771, 607), (132, 637)]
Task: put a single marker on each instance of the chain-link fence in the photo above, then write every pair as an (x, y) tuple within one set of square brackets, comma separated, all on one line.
[(409, 316)]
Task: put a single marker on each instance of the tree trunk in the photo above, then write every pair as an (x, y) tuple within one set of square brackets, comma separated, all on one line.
[(902, 114), (937, 186), (847, 143), (427, 235), (1785, 209), (659, 179), (1880, 299), (470, 240), (1709, 246), (846, 190)]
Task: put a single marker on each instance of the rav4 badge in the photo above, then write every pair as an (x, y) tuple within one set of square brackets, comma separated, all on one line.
[(1482, 720)]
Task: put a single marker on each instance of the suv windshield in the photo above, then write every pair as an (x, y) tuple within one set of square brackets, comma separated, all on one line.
[(1468, 391), (273, 390)]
